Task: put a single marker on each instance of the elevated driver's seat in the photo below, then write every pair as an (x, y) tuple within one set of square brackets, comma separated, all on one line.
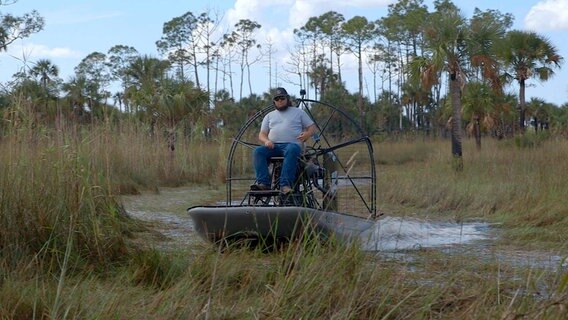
[(302, 193)]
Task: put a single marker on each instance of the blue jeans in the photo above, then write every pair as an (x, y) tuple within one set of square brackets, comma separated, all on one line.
[(291, 153)]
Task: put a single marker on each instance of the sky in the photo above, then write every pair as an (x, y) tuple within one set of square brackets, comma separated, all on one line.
[(76, 28)]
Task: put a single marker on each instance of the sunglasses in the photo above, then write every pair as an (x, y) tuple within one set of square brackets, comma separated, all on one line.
[(279, 98)]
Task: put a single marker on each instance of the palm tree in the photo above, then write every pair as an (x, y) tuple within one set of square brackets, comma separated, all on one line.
[(146, 74), (478, 102), (45, 71), (445, 35), (540, 111), (414, 98), (76, 96), (528, 55), (178, 102), (488, 28)]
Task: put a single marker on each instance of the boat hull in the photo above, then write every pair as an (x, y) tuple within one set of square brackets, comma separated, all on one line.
[(269, 224)]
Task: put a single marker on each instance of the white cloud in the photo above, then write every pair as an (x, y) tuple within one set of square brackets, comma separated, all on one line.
[(241, 10), (548, 15), (290, 14), (78, 14), (59, 52), (262, 11), (368, 3), (86, 17), (280, 17), (35, 51)]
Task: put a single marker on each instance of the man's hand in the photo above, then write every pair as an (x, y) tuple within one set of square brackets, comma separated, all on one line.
[(303, 136), (263, 137), (269, 144)]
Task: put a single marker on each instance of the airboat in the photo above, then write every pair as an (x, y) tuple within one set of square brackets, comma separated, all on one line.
[(334, 195)]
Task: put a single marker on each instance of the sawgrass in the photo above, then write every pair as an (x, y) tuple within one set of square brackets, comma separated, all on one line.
[(68, 249), (522, 188)]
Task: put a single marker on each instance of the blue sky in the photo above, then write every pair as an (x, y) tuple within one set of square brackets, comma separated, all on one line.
[(76, 28)]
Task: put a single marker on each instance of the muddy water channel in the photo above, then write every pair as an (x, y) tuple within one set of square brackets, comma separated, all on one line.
[(165, 210), (391, 237)]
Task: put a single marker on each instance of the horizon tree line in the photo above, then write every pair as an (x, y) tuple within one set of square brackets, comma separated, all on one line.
[(434, 67)]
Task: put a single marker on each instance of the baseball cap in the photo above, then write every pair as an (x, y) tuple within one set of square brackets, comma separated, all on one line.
[(280, 92)]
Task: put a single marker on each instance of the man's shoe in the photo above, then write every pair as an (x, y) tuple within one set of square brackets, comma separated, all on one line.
[(286, 189), (259, 187)]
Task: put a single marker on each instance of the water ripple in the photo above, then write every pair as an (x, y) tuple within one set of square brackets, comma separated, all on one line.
[(395, 233)]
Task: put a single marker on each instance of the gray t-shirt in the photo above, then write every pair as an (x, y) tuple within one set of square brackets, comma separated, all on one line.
[(285, 126)]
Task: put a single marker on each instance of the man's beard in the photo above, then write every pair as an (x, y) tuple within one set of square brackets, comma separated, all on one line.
[(282, 108)]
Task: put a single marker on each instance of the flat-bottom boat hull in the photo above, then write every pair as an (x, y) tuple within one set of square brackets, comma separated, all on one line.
[(267, 224)]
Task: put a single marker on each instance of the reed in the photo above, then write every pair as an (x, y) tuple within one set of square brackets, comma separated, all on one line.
[(55, 183), (305, 280), (132, 159), (68, 249), (523, 188), (52, 198)]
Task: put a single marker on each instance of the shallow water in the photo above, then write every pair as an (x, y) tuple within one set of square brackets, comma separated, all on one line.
[(396, 233), (392, 237), (167, 212)]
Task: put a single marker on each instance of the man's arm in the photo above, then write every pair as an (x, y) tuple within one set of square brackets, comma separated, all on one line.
[(311, 130), (263, 137), (306, 134)]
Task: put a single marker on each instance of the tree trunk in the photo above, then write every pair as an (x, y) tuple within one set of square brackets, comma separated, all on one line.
[(195, 69), (477, 132), (522, 105), (360, 98), (171, 140), (456, 122)]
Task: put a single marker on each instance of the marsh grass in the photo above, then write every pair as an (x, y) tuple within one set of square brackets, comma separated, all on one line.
[(48, 193), (67, 249), (134, 159), (523, 188)]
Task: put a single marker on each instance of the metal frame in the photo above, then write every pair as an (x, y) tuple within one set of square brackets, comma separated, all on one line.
[(316, 150)]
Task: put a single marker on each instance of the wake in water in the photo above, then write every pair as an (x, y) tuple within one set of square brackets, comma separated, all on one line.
[(394, 233)]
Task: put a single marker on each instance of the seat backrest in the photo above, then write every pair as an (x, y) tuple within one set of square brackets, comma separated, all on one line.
[(303, 165)]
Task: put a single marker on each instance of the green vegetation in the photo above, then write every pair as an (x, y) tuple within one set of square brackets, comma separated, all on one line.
[(431, 68), (521, 187), (68, 249)]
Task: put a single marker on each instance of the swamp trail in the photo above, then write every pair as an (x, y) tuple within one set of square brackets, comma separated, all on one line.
[(398, 238)]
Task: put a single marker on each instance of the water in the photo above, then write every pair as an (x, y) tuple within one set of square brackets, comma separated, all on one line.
[(397, 238), (393, 237), (395, 233), (166, 210)]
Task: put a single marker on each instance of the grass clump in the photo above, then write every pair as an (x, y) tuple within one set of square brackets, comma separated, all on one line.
[(69, 250), (56, 208), (524, 189)]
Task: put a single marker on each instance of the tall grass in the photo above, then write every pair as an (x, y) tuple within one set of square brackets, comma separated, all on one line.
[(523, 188), (53, 183), (51, 198), (303, 281), (131, 158), (59, 213), (66, 249)]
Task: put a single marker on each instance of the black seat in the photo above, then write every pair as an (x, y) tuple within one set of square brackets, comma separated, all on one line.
[(272, 196)]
